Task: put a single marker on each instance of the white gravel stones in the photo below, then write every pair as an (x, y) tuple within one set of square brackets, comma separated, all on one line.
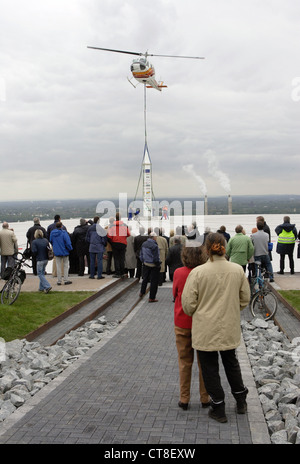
[(275, 363), (28, 366)]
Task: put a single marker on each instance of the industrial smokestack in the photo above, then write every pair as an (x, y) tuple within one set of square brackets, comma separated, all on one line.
[(229, 205), (205, 206)]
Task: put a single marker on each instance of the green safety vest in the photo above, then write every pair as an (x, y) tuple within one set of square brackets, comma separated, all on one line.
[(286, 237)]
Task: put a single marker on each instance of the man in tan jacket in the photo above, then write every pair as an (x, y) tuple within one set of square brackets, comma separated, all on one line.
[(214, 295), (8, 247)]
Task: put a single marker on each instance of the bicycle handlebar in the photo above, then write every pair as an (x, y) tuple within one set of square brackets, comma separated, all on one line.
[(22, 260)]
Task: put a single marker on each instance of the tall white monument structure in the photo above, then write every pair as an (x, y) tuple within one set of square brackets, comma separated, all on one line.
[(147, 183)]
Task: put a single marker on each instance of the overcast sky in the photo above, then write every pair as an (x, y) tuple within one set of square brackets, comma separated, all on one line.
[(72, 126)]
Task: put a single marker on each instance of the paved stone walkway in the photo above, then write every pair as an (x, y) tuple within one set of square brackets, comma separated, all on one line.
[(125, 391)]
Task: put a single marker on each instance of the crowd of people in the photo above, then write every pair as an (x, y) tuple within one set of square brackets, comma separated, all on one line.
[(116, 251), (208, 275)]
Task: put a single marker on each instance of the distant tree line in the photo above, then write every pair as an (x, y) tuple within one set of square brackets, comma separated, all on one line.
[(20, 211)]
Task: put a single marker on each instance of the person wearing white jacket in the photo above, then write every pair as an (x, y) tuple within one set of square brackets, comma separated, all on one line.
[(214, 295)]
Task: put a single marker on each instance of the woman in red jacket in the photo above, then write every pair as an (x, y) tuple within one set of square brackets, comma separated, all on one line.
[(191, 257)]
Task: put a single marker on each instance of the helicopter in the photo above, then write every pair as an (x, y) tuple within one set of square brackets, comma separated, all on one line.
[(142, 70)]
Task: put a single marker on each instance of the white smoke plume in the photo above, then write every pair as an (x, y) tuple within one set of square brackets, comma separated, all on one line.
[(213, 169), (189, 168)]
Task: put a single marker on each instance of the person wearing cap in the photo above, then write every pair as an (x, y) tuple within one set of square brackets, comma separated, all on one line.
[(149, 256)]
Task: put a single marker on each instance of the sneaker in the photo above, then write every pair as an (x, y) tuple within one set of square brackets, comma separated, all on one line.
[(68, 282), (47, 290), (102, 277)]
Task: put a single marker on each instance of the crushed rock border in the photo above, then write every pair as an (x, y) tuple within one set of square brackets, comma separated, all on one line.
[(275, 364), (27, 367)]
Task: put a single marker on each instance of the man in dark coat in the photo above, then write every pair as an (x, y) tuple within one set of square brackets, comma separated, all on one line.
[(30, 237), (97, 238), (173, 259), (137, 245), (80, 245), (149, 256)]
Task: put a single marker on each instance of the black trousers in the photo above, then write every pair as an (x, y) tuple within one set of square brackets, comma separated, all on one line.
[(150, 274), (291, 260), (209, 361), (119, 250)]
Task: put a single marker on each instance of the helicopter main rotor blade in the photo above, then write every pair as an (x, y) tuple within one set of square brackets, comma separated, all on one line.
[(117, 51), (180, 56)]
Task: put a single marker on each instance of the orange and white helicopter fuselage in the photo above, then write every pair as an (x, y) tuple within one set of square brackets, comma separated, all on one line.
[(143, 71)]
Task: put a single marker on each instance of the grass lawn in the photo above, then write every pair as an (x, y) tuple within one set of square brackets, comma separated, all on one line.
[(292, 297), (31, 310)]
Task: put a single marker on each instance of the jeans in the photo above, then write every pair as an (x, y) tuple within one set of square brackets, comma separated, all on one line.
[(265, 262), (40, 269), (93, 263)]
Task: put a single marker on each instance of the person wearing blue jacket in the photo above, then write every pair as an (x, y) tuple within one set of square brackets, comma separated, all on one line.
[(61, 242), (97, 238), (149, 256)]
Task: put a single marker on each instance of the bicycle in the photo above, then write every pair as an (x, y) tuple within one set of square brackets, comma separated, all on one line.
[(14, 279), (263, 303)]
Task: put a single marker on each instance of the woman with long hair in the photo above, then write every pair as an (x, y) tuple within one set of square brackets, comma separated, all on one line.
[(39, 249)]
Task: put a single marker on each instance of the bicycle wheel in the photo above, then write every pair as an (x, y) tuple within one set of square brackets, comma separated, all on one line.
[(264, 305), (11, 290)]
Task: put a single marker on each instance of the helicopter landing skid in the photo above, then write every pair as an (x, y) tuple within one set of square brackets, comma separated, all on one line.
[(129, 80)]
